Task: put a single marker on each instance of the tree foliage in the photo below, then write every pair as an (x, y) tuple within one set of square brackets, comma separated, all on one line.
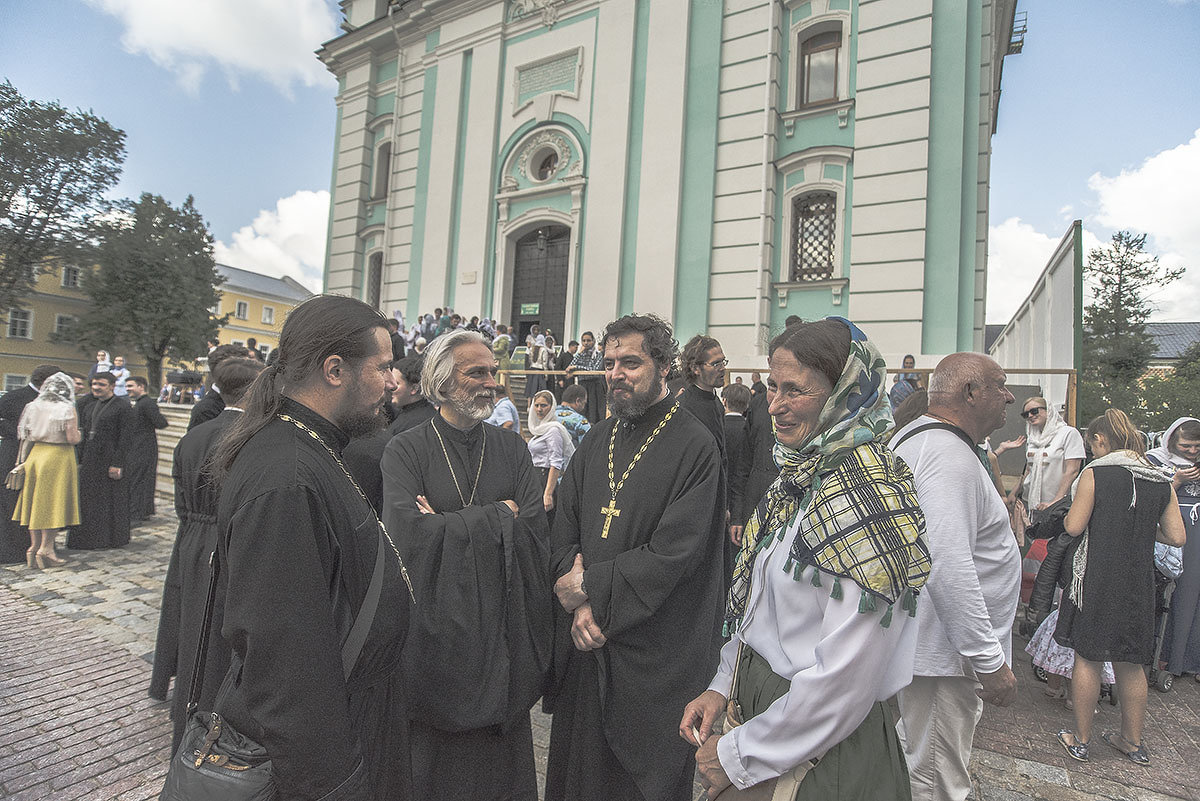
[(1168, 396), (55, 166), (1117, 348), (153, 285)]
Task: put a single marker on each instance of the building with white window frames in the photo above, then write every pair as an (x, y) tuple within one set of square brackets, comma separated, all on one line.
[(257, 305), (724, 164)]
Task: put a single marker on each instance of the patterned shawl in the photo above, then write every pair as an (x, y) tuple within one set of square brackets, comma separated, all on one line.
[(861, 519)]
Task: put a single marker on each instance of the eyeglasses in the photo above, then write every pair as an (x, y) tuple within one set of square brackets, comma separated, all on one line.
[(1031, 412), (719, 363)]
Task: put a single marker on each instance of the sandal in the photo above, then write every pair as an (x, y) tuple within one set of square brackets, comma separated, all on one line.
[(1076, 750), (1138, 756), (1055, 694)]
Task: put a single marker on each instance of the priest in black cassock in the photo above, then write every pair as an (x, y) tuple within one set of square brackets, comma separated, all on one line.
[(299, 546), (208, 407), (639, 561), (14, 538), (186, 586), (142, 450), (468, 503), (105, 422)]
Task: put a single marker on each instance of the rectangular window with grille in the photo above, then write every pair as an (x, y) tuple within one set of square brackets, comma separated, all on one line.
[(20, 324), (814, 218)]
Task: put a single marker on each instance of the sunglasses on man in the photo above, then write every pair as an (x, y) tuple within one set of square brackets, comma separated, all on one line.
[(1031, 412)]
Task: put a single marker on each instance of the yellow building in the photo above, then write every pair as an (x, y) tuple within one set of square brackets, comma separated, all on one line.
[(56, 302), (257, 305)]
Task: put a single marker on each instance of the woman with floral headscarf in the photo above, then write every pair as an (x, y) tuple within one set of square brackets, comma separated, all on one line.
[(49, 500), (821, 611)]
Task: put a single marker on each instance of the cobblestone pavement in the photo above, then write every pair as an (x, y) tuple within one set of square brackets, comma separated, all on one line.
[(75, 721)]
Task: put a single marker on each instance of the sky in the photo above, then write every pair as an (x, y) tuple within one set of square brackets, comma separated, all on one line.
[(224, 100)]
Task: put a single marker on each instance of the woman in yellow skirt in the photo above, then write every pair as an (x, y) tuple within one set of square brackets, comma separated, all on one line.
[(49, 500)]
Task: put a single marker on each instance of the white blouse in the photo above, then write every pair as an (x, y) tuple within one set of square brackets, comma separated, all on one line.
[(840, 663)]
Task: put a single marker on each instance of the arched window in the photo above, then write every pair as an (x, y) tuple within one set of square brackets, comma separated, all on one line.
[(814, 224), (383, 170), (818, 68), (375, 280)]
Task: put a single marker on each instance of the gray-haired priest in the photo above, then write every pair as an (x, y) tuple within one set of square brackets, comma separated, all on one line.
[(466, 504), (638, 542)]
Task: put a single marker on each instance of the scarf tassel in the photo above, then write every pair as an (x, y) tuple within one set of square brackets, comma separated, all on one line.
[(908, 602), (886, 620), (816, 577), (836, 592), (866, 603)]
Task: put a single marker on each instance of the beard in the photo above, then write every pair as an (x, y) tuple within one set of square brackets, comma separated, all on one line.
[(477, 407), (634, 405), (360, 422)]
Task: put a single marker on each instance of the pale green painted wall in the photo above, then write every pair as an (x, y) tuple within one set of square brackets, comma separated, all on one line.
[(633, 164), (421, 194), (460, 157), (694, 258)]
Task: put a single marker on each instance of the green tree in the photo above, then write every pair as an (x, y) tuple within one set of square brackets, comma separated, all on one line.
[(55, 166), (1117, 348), (153, 285), (1174, 394)]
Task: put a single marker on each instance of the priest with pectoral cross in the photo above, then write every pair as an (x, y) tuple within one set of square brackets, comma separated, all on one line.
[(638, 558), (465, 502)]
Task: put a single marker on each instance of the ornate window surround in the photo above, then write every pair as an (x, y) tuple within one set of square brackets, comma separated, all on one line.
[(822, 20), (813, 162)]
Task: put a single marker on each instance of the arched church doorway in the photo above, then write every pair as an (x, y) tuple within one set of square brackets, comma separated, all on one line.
[(539, 293)]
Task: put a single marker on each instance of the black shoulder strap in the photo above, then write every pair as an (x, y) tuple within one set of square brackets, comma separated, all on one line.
[(958, 432), (350, 649)]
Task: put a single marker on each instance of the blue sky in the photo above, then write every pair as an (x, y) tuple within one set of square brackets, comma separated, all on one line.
[(223, 99)]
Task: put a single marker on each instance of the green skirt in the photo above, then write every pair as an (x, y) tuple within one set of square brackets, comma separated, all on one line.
[(867, 766)]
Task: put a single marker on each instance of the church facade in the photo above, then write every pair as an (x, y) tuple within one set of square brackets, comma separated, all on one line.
[(724, 164)]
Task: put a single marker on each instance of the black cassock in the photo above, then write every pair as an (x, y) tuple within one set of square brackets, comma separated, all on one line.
[(103, 501), (14, 538), (297, 543), (363, 455), (207, 408), (708, 409), (477, 655), (141, 456), (655, 589), (186, 585), (738, 455), (763, 470)]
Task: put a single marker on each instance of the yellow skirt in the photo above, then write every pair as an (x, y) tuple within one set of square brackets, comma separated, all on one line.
[(50, 497)]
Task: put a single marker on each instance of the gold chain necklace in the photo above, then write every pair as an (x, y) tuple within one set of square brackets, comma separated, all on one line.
[(403, 571), (614, 486), (482, 450)]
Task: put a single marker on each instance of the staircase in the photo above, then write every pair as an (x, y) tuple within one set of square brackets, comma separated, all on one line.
[(177, 418)]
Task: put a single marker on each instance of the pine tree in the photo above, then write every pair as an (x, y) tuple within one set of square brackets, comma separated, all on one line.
[(1117, 349)]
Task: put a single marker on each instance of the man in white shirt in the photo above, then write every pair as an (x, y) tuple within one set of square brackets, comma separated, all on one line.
[(965, 638), (121, 372)]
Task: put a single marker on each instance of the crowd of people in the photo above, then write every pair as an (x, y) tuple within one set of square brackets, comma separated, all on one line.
[(81, 455), (383, 562)]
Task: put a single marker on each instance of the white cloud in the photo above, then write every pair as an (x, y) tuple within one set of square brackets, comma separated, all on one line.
[(1017, 254), (289, 240), (271, 39), (1160, 198)]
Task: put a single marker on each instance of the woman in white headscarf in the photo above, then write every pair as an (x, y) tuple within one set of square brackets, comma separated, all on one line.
[(1054, 455), (550, 445), (49, 499), (1179, 454)]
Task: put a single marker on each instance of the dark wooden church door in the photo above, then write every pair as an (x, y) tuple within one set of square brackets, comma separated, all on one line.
[(540, 282)]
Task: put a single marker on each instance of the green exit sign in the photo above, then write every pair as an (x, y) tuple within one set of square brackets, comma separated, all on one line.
[(530, 308)]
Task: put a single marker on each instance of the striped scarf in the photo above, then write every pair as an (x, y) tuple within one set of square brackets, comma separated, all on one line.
[(861, 517)]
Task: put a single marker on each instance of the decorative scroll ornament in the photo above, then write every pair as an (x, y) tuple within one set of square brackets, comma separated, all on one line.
[(538, 143), (521, 9)]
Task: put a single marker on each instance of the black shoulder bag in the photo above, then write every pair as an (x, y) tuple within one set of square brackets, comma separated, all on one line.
[(215, 762)]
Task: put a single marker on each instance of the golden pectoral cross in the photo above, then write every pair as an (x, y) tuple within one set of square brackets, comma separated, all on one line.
[(609, 513)]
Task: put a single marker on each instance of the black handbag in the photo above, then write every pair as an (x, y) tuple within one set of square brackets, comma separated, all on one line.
[(215, 762)]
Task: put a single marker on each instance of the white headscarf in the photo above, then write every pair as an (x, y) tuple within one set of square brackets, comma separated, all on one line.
[(46, 417), (1163, 455), (549, 423), (1054, 423)]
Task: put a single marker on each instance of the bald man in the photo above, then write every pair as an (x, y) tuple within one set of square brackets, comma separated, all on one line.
[(964, 649)]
